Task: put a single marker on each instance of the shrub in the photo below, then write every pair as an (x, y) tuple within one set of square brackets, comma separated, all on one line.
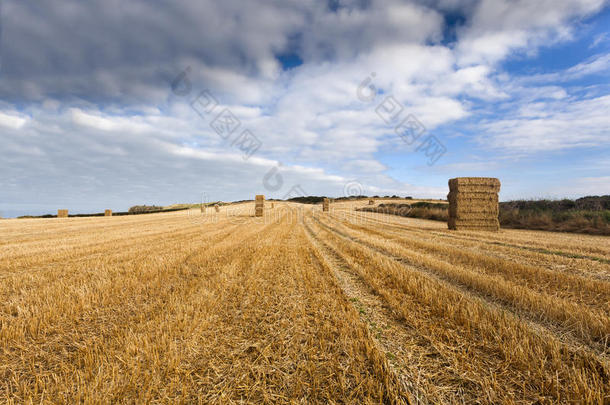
[(141, 209)]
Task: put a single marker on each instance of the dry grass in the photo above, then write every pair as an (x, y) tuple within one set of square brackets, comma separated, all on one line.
[(299, 307)]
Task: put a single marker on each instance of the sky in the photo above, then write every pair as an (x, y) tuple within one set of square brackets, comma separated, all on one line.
[(109, 104)]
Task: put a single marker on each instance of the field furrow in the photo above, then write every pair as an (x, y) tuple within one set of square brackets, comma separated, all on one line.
[(487, 335), (576, 288)]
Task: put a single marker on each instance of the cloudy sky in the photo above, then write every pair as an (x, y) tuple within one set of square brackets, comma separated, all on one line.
[(108, 103)]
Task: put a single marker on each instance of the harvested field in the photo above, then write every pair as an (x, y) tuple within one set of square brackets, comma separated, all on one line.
[(300, 307)]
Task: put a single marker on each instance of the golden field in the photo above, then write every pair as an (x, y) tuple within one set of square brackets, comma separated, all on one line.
[(300, 306)]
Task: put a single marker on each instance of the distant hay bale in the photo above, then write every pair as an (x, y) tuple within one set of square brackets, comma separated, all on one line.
[(272, 205), (259, 205), (473, 203), (325, 205), (217, 208), (62, 213), (108, 213), (371, 202)]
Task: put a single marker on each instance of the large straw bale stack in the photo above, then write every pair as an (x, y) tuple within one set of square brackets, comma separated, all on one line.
[(473, 203), (62, 213), (259, 205), (325, 205), (108, 213)]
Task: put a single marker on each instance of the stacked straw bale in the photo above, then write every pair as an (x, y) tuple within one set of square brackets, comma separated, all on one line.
[(259, 205), (62, 213), (108, 213), (371, 202), (473, 203), (325, 205)]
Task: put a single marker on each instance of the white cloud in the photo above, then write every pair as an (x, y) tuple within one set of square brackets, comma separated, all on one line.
[(596, 64), (499, 27), (12, 119), (551, 126)]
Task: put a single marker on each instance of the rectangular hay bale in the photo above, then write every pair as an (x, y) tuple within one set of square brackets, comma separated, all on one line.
[(472, 183), (461, 210), (325, 205), (488, 224), (259, 205), (108, 213), (471, 198), (62, 213), (474, 216)]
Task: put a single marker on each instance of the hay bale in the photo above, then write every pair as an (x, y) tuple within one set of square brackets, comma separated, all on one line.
[(470, 215), (473, 203), (468, 184), (108, 213), (486, 224), (458, 197), (217, 208), (325, 205), (272, 205), (459, 211), (371, 202), (259, 205), (62, 213)]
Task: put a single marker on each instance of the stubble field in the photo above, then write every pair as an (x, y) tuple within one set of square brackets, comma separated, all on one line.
[(300, 306)]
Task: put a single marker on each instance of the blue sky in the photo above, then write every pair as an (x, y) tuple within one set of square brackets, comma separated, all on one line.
[(102, 104)]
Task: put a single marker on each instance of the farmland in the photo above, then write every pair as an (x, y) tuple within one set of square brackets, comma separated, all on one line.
[(299, 306)]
